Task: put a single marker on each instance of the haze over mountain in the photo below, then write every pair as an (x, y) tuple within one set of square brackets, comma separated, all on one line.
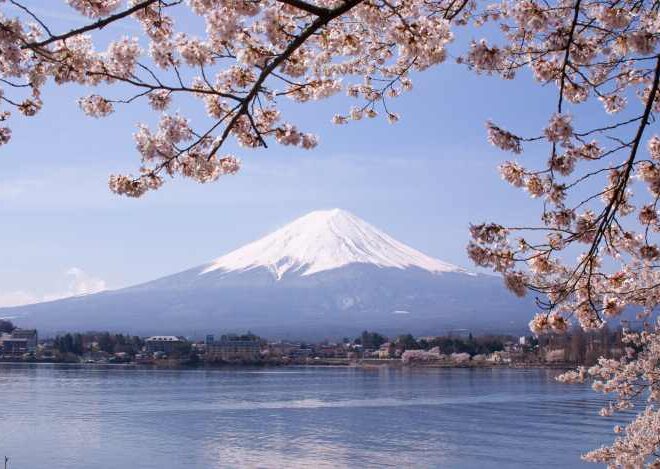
[(326, 274)]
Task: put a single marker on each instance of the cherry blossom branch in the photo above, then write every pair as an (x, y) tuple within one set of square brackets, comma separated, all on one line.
[(292, 47), (569, 42)]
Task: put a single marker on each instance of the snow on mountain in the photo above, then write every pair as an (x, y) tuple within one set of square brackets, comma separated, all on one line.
[(326, 240)]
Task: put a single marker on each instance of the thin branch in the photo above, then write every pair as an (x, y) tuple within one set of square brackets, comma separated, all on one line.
[(90, 27), (32, 15), (576, 14)]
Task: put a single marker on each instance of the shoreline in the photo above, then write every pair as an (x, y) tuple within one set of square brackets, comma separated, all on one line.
[(368, 364)]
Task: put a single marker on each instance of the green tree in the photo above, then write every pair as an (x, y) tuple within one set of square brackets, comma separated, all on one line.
[(106, 342), (408, 342), (371, 340), (6, 326)]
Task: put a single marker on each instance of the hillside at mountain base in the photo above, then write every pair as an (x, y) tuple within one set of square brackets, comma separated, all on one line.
[(326, 274)]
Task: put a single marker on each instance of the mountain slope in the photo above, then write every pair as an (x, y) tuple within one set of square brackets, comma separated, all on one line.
[(326, 274)]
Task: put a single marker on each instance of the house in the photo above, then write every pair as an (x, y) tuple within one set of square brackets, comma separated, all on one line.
[(163, 343), (499, 357), (302, 353), (386, 350), (281, 349), (331, 350), (30, 335)]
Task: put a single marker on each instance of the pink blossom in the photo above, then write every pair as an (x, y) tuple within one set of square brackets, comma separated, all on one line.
[(559, 129), (94, 8), (503, 139), (160, 99), (485, 58), (613, 103), (654, 147), (96, 106), (5, 135)]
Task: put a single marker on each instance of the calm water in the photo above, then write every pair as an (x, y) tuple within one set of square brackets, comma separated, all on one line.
[(78, 417)]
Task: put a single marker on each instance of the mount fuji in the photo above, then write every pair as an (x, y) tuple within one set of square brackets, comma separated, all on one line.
[(326, 274)]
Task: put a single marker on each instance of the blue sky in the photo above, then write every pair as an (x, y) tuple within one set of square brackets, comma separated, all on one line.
[(423, 180)]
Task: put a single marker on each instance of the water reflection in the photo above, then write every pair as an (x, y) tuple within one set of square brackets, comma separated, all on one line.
[(80, 417)]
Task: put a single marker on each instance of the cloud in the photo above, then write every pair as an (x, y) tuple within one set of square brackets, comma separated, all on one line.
[(80, 283), (17, 298)]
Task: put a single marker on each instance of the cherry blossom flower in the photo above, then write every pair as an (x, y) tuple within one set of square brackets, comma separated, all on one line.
[(654, 147), (485, 58), (94, 8), (160, 99), (96, 106), (515, 281), (513, 173), (613, 103), (503, 139), (5, 135), (559, 129)]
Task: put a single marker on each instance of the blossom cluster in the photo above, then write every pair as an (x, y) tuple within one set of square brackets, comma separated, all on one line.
[(251, 55), (633, 380), (609, 54)]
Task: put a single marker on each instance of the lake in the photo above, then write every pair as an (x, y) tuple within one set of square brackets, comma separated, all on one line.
[(58, 416)]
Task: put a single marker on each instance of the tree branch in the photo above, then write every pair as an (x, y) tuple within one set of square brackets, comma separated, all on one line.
[(268, 69), (308, 7), (90, 27)]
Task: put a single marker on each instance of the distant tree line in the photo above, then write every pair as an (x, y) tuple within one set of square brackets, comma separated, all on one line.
[(69, 343), (77, 343), (574, 347), (446, 344), (472, 345)]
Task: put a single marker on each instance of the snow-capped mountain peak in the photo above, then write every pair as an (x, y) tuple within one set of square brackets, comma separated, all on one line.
[(325, 240), (363, 279)]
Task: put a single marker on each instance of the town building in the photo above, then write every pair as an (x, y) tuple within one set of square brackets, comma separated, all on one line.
[(234, 349), (13, 347), (281, 349), (19, 342), (302, 353), (163, 343)]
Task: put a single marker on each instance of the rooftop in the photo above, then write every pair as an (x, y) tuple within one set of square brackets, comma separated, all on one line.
[(164, 338)]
